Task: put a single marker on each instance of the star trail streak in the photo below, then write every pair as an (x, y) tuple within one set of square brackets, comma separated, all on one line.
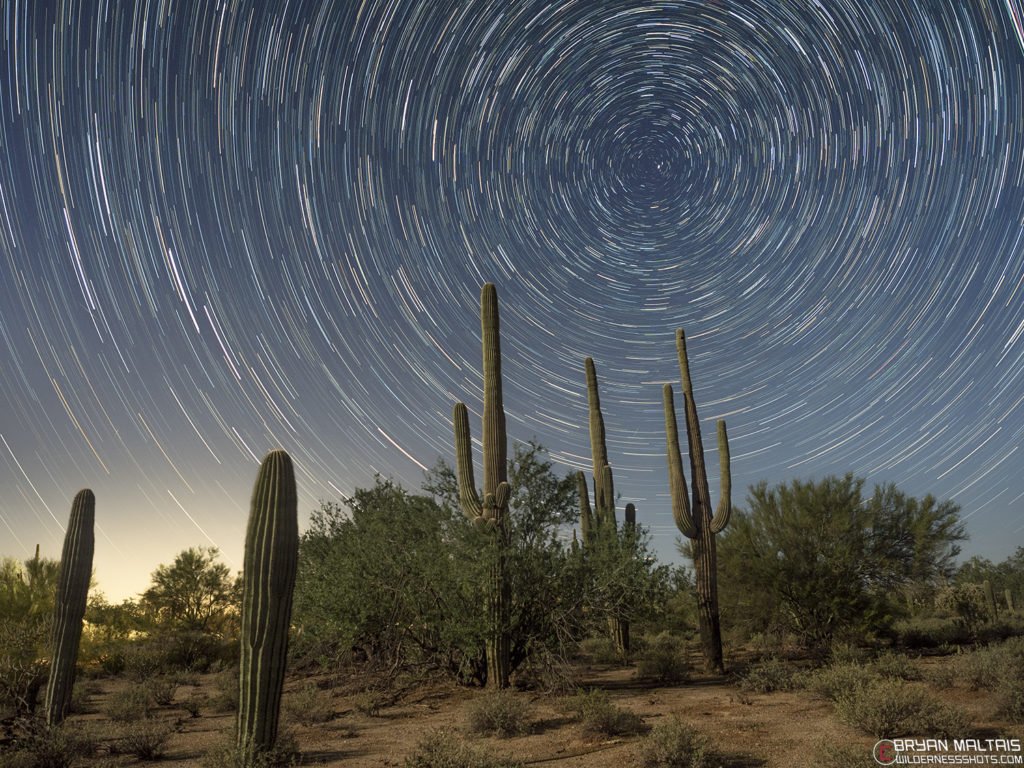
[(231, 226)]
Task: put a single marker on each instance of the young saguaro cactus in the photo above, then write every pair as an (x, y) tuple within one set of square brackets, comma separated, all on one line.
[(697, 523), (489, 515), (268, 578), (69, 608)]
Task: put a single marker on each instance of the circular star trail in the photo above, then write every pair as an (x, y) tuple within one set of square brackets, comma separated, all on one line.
[(227, 227)]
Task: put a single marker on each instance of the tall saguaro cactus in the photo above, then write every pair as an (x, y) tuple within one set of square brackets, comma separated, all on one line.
[(268, 578), (69, 608), (490, 515), (601, 526), (697, 523)]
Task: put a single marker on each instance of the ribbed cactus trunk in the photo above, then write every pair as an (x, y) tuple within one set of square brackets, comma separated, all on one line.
[(698, 524), (1009, 599), (268, 578), (490, 515), (69, 607)]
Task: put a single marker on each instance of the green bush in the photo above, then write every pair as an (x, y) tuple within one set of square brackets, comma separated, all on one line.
[(147, 739), (308, 705), (499, 713), (896, 666), (673, 744), (443, 749), (597, 716), (225, 698), (832, 681), (161, 690), (39, 746), (891, 708), (129, 705), (767, 675), (663, 659), (284, 754)]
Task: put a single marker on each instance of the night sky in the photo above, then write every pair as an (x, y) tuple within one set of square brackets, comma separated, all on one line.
[(228, 226)]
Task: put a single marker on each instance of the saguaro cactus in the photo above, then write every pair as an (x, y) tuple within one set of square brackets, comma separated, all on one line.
[(268, 577), (697, 523), (601, 526), (69, 608), (490, 515)]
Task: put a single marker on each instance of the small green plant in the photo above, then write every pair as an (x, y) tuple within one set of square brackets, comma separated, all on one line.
[(663, 660), (673, 744), (39, 746), (896, 666), (129, 705), (193, 704), (832, 681), (767, 675), (284, 754), (597, 715), (887, 708), (225, 697), (161, 690), (444, 749), (1011, 700), (841, 652), (500, 712), (369, 702), (147, 739), (599, 650), (308, 705)]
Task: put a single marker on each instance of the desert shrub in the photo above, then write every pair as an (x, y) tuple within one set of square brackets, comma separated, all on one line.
[(597, 715), (841, 754), (226, 692), (1011, 700), (599, 650), (308, 705), (369, 702), (193, 704), (499, 713), (896, 666), (831, 681), (146, 739), (128, 705), (980, 669), (37, 746), (663, 659), (942, 677), (886, 708), (443, 749), (965, 603), (145, 659), (284, 754), (840, 652), (767, 675), (930, 632), (161, 690), (673, 744)]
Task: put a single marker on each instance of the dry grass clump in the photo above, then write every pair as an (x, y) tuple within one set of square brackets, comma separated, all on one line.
[(500, 713)]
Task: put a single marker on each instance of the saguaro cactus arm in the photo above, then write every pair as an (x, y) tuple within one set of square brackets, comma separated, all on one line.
[(724, 509), (69, 605), (676, 478)]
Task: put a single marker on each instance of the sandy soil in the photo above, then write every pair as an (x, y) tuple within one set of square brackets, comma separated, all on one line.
[(770, 730)]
